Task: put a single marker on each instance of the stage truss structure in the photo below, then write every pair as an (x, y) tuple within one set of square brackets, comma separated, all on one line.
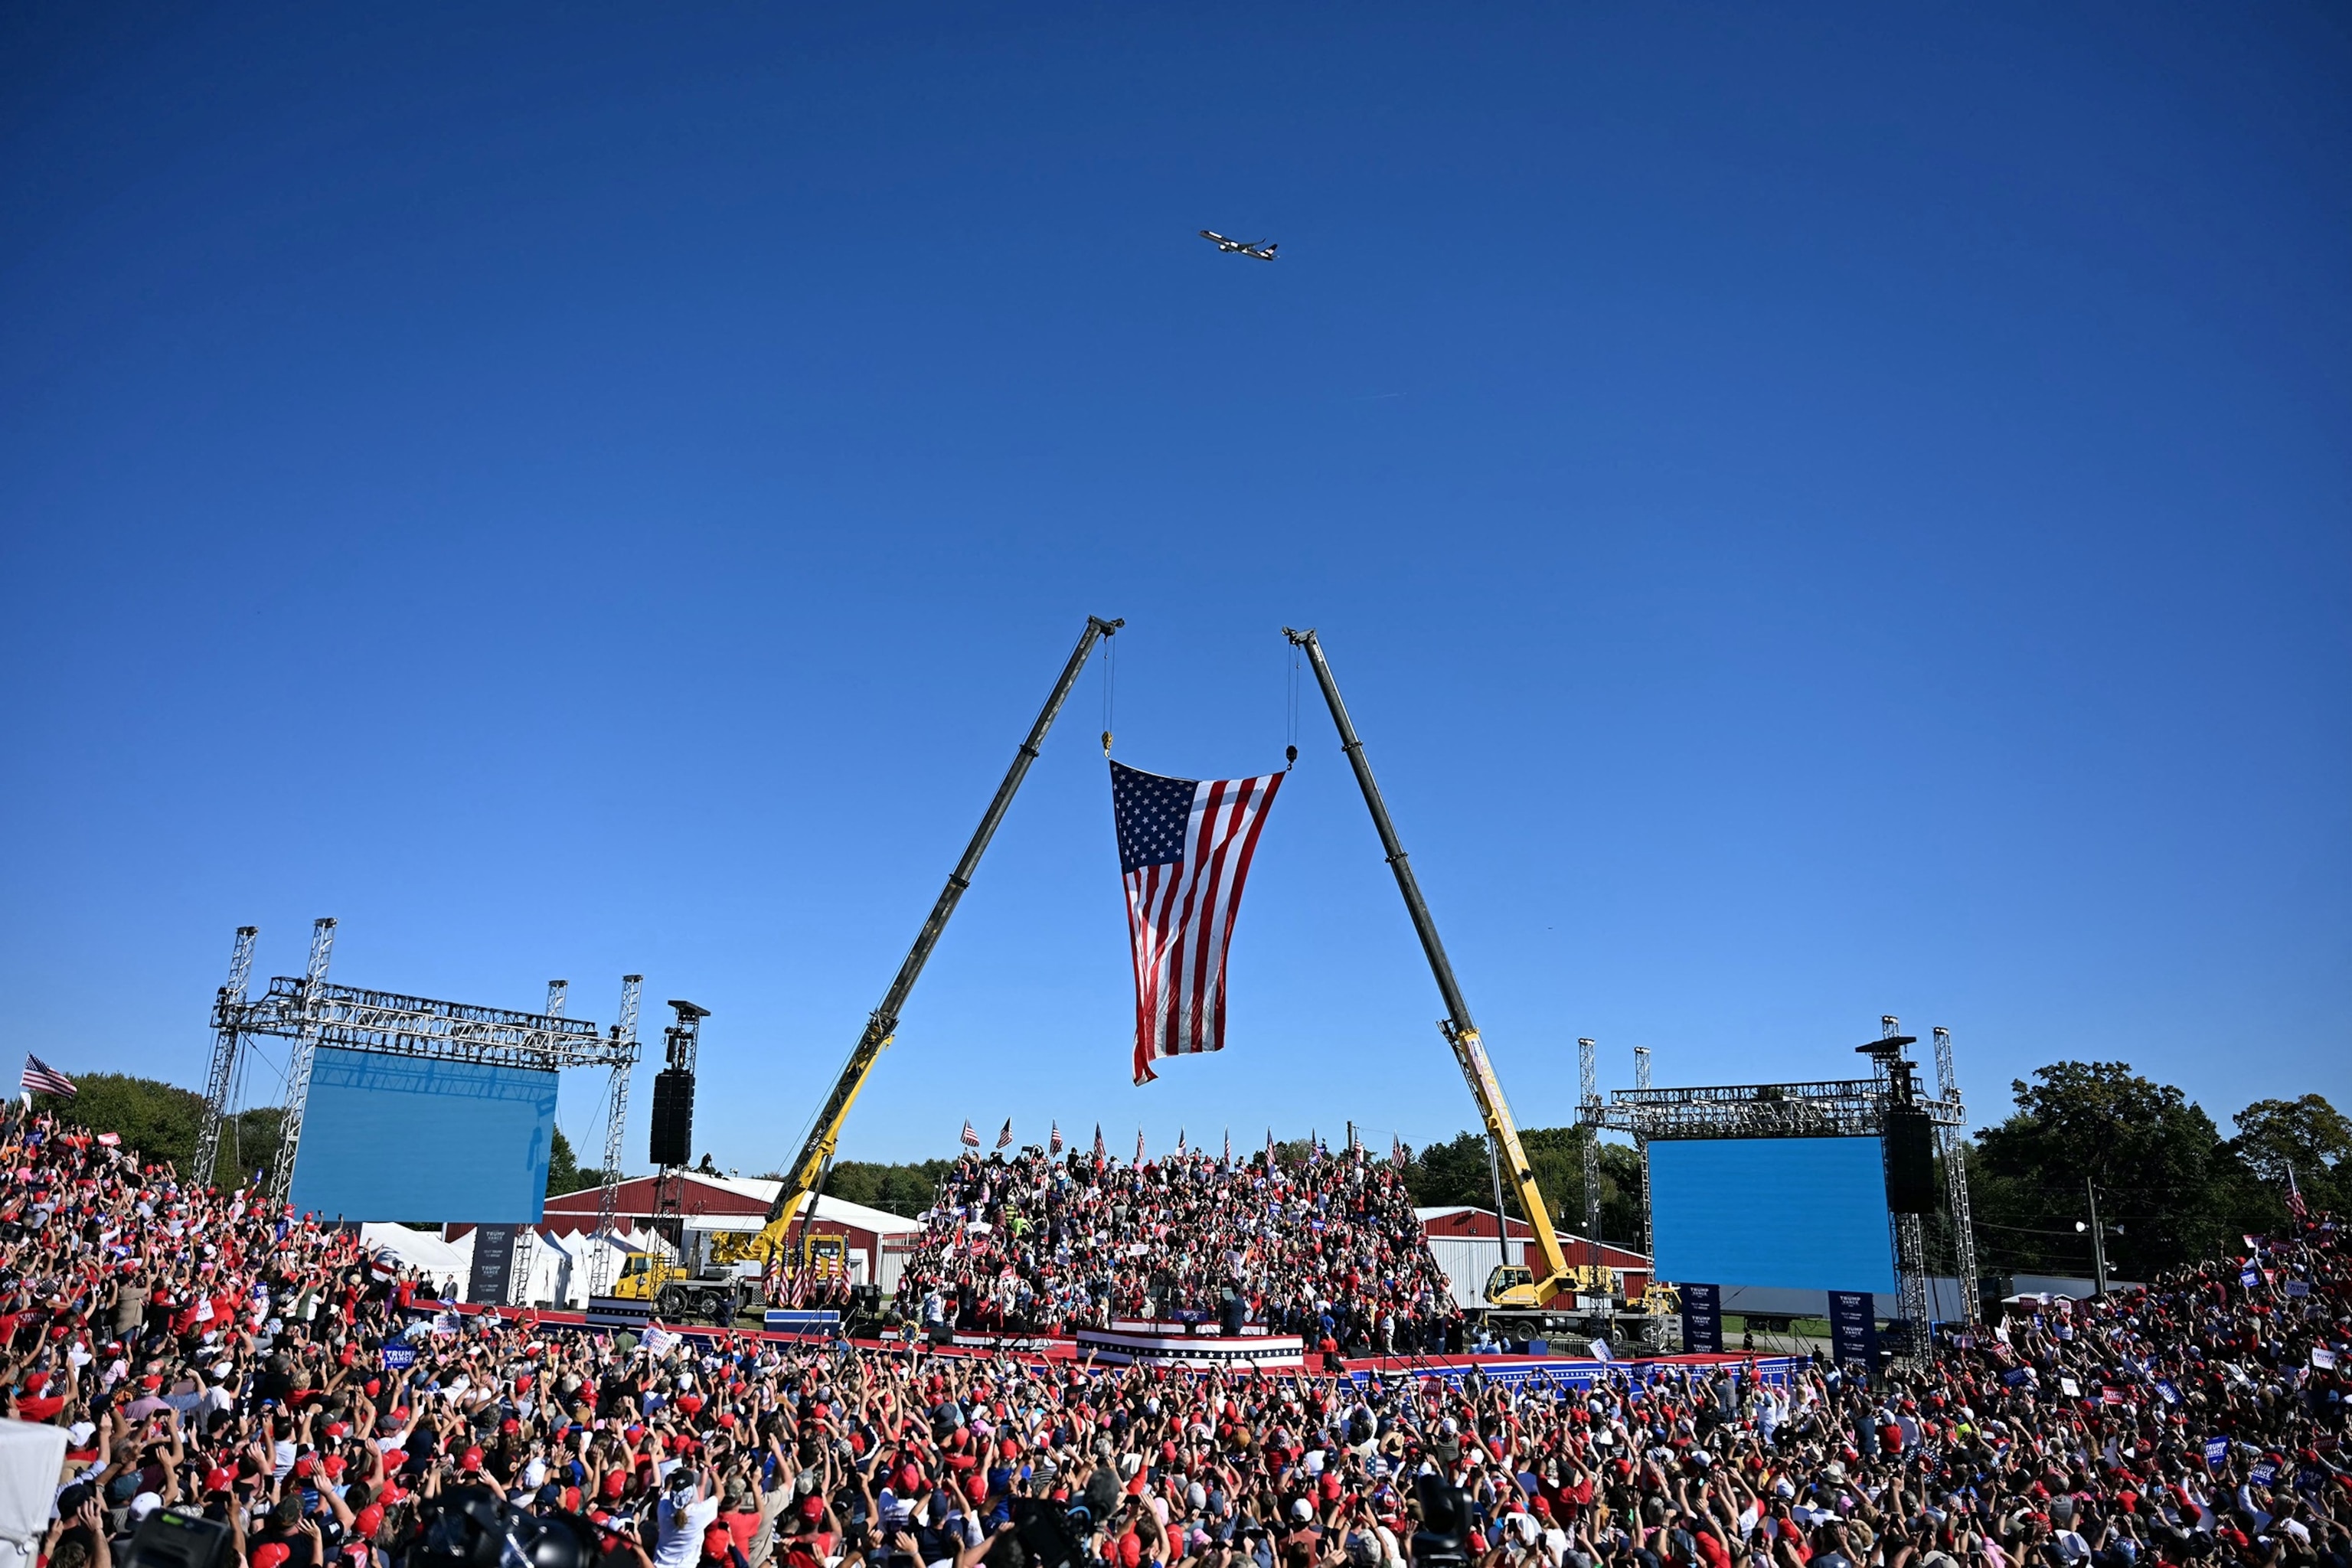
[(1831, 1108), (310, 1011)]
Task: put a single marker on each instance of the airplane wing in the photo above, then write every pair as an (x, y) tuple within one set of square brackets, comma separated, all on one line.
[(1212, 234)]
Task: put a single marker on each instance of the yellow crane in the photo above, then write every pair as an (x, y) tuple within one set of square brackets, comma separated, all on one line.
[(805, 1179), (1510, 1287)]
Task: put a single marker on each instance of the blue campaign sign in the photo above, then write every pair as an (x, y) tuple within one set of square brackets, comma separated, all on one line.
[(1854, 1327), (1702, 1318), (398, 1356), (2217, 1452), (2261, 1475)]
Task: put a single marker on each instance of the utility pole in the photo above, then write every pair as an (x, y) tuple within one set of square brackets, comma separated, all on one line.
[(2098, 1242)]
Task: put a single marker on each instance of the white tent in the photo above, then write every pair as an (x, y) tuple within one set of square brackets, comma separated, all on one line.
[(32, 1462)]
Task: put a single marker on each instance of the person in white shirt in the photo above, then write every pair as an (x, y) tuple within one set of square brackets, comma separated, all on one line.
[(689, 1504)]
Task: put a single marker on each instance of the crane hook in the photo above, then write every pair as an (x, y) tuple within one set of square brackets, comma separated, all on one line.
[(1290, 758), (1106, 743)]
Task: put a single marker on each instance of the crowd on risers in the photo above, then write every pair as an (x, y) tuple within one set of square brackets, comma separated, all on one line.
[(1326, 1248), (203, 1355)]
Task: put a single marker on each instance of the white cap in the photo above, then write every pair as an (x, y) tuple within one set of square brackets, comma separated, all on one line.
[(144, 1504)]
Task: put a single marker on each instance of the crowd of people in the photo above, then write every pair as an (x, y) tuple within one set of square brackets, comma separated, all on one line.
[(209, 1356), (1326, 1246)]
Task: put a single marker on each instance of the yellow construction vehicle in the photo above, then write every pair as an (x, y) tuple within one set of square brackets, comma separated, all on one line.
[(679, 1292), (1538, 1299), (776, 1245)]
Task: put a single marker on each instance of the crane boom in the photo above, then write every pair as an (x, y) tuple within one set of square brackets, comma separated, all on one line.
[(824, 1133), (1460, 1032)]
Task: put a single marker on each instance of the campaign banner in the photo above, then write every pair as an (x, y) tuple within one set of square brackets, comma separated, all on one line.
[(617, 1312), (1853, 1328), (2217, 1452), (2263, 1474), (1703, 1317), (492, 1275), (399, 1356)]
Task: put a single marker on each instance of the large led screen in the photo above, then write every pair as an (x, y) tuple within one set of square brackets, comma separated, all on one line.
[(1806, 1213), (399, 1138)]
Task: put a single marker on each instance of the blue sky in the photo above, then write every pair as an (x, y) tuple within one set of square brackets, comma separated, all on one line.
[(1817, 512)]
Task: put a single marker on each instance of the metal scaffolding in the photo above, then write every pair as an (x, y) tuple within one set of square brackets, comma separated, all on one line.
[(311, 1011), (223, 1063), (616, 1119), (1589, 1114), (1950, 1140), (1832, 1108), (1642, 1145)]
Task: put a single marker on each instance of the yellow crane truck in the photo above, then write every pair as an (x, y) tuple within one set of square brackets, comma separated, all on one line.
[(1520, 1297)]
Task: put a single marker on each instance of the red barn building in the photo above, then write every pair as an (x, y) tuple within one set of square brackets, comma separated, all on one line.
[(1463, 1240)]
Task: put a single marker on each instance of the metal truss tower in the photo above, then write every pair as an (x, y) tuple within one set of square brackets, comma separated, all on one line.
[(1588, 1074), (311, 1012), (1898, 1089), (616, 1121), (1641, 1146), (298, 1061), (681, 1046), (1833, 1108), (222, 1071), (1950, 1140)]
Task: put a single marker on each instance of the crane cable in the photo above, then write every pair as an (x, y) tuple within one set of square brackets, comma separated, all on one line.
[(1109, 657), (1290, 747)]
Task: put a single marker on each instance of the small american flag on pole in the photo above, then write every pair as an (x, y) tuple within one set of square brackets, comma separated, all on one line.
[(1185, 849), (1005, 1138), (1138, 1145), (1099, 1142), (970, 1138), (40, 1077), (1053, 1144)]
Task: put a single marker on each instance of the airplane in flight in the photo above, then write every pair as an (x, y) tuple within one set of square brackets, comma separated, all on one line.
[(1263, 250)]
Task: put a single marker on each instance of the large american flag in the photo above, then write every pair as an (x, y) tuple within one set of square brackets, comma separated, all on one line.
[(1185, 849), (42, 1078)]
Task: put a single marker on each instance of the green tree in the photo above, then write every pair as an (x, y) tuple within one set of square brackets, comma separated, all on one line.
[(2161, 1169), (2307, 1138), (905, 1189), (565, 1173), (159, 1120)]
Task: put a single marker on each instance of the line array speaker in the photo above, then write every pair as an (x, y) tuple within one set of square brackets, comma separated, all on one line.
[(1910, 1162), (672, 1138)]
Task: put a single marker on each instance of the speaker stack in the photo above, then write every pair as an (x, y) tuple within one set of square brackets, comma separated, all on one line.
[(672, 1138)]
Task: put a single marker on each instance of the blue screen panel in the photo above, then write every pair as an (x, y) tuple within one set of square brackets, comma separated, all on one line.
[(398, 1137), (1806, 1213)]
